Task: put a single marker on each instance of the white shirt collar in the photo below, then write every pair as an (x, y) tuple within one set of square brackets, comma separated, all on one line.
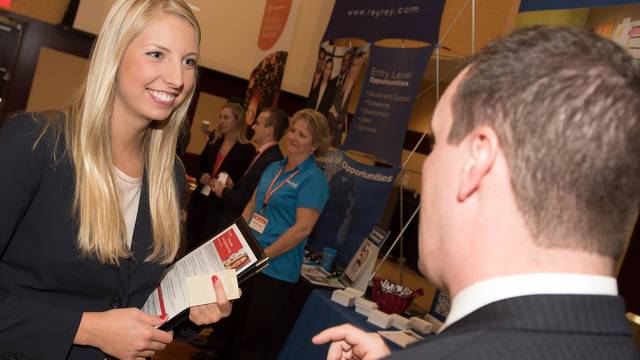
[(488, 291), (266, 146)]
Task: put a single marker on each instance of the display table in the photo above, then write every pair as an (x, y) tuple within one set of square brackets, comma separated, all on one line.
[(319, 313)]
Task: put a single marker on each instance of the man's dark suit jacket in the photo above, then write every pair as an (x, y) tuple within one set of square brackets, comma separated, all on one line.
[(327, 97), (537, 327), (45, 283), (234, 200)]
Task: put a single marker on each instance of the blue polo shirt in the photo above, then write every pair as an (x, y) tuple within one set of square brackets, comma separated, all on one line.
[(307, 189)]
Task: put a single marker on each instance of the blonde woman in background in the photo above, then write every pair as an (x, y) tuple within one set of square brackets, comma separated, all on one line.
[(229, 152), (91, 196)]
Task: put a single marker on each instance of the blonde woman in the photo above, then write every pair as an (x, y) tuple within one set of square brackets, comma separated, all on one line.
[(90, 196), (229, 152)]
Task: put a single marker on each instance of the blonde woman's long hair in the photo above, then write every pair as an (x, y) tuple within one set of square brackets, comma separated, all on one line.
[(86, 129), (238, 112)]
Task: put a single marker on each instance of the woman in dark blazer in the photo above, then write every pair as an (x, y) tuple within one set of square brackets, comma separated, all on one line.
[(90, 197), (229, 152)]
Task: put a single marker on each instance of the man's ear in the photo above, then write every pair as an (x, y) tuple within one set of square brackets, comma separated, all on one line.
[(483, 149)]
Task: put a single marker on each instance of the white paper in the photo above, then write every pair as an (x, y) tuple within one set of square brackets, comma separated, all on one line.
[(420, 325), (399, 322), (228, 250), (402, 338), (317, 275), (200, 287), (222, 178), (361, 265), (379, 318)]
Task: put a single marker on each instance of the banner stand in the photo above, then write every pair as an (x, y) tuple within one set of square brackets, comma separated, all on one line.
[(424, 134)]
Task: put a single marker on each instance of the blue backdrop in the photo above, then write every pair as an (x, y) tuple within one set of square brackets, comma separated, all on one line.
[(358, 194)]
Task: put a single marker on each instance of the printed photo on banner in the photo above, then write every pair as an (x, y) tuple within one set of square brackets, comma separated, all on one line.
[(334, 78), (264, 85)]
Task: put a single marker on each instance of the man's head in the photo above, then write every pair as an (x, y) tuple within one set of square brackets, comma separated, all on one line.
[(270, 125), (347, 59), (356, 64), (555, 112)]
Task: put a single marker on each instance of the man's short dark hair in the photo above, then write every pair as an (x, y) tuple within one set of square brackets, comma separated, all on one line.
[(565, 104), (279, 120)]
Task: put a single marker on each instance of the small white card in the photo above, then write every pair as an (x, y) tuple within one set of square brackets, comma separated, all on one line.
[(399, 322), (379, 318), (420, 325), (206, 190), (403, 338), (366, 303), (222, 177), (355, 292), (200, 287)]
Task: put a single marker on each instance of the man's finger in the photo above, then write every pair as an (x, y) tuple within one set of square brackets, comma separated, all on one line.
[(337, 350), (336, 333)]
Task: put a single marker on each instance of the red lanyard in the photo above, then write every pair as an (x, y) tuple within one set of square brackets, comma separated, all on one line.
[(216, 165), (269, 193)]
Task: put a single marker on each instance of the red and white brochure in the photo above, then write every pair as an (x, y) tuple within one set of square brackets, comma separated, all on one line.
[(234, 248)]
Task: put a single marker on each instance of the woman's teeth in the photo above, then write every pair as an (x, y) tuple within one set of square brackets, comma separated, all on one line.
[(163, 96)]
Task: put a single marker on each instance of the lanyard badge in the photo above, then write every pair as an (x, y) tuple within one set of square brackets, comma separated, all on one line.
[(271, 190), (258, 221)]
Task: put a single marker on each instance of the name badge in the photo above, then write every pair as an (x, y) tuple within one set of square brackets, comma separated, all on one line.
[(258, 223)]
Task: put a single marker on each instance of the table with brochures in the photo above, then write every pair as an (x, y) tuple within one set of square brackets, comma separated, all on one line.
[(319, 313)]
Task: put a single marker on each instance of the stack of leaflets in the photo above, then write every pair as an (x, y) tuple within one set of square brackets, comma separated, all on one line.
[(403, 338), (364, 306), (317, 275), (380, 319), (400, 322), (346, 297), (233, 248), (420, 325)]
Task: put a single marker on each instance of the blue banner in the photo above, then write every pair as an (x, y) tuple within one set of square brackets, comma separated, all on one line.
[(392, 81), (357, 198), (372, 20), (538, 5)]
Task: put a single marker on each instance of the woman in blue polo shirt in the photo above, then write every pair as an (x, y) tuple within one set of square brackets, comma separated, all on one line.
[(284, 209)]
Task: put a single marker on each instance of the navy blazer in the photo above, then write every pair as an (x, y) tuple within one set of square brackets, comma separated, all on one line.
[(535, 327), (234, 200), (204, 211), (234, 164), (45, 283)]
